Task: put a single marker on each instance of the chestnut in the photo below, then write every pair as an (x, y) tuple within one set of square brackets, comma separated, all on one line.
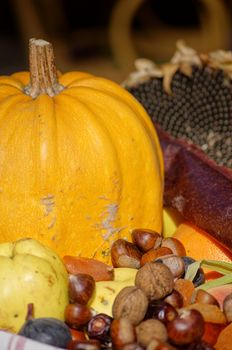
[(158, 345), (99, 327), (80, 287), (132, 346), (200, 345), (160, 310), (175, 299), (186, 328), (175, 245), (146, 239), (125, 254), (77, 315), (227, 307), (203, 297), (174, 263), (122, 332)]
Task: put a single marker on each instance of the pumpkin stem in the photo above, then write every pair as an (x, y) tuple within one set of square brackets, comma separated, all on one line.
[(43, 72)]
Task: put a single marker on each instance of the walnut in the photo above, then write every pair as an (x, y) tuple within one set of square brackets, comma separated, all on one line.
[(155, 279), (130, 303)]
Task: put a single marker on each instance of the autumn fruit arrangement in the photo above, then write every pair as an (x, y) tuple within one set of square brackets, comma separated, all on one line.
[(89, 256), (153, 296)]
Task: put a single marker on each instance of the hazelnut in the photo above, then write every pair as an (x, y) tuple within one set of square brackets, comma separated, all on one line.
[(175, 245), (203, 297), (154, 254), (186, 328), (146, 239), (155, 279), (174, 263), (125, 254), (122, 332), (130, 303), (149, 329), (227, 307)]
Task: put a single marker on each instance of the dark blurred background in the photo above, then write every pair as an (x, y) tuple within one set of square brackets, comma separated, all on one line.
[(105, 36)]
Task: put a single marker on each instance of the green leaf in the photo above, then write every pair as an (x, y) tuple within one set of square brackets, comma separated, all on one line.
[(192, 270), (218, 266), (222, 267), (221, 281)]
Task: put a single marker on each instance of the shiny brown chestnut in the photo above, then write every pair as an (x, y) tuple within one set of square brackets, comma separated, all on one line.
[(175, 299), (158, 345), (146, 239), (125, 254), (160, 310), (186, 328), (81, 287), (203, 297), (174, 263), (175, 245), (227, 307), (77, 315), (132, 346), (99, 327), (122, 333)]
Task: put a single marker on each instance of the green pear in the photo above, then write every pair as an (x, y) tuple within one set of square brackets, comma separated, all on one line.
[(30, 273)]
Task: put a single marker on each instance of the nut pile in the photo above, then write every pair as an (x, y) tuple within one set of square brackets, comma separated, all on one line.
[(161, 311)]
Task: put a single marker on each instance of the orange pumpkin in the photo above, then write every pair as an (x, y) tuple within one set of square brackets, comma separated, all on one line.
[(80, 162)]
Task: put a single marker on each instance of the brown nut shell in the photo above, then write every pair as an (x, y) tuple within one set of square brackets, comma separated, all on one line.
[(131, 346), (150, 329), (174, 263), (81, 287), (175, 245), (125, 254), (122, 332), (227, 307), (146, 239), (130, 303), (203, 297), (175, 299), (158, 345), (155, 279), (186, 328)]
